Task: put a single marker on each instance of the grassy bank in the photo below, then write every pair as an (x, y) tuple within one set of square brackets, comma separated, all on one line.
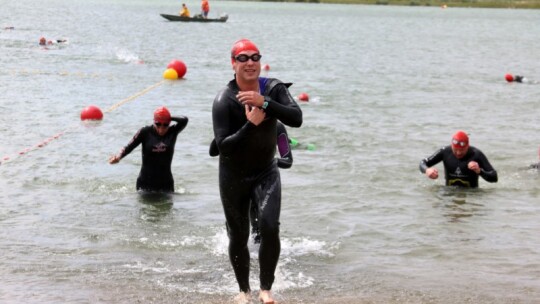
[(528, 4)]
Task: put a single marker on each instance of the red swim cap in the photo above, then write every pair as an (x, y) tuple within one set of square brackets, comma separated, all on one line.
[(243, 45), (460, 140), (509, 77), (161, 114)]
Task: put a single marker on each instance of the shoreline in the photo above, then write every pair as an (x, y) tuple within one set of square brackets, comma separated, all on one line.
[(525, 4)]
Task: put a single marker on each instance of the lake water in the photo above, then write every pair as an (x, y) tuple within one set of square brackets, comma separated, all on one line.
[(359, 223)]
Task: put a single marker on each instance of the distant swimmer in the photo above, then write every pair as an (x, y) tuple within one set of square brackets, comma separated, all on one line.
[(518, 78), (284, 161), (462, 163), (43, 41), (158, 141), (536, 165)]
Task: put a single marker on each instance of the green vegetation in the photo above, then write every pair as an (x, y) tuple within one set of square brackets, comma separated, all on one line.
[(530, 4)]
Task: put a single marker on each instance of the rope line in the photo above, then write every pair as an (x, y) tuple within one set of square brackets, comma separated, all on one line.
[(112, 108), (43, 143)]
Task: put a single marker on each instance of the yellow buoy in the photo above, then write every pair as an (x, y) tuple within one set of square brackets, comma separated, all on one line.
[(170, 74)]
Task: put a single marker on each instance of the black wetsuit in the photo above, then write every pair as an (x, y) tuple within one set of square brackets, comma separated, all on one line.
[(284, 161), (456, 171), (157, 155), (248, 172)]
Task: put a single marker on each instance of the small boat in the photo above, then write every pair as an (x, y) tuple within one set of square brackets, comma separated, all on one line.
[(196, 18)]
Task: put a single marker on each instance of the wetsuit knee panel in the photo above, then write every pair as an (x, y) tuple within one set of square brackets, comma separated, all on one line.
[(268, 228), (237, 234)]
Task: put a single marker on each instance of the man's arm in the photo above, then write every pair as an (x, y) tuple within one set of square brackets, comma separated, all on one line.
[(226, 141), (487, 172), (283, 106), (431, 161)]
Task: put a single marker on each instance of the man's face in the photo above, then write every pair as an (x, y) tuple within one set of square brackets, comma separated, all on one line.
[(248, 70), (460, 152)]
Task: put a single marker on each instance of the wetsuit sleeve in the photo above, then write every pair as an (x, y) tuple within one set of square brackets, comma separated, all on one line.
[(213, 151), (135, 141), (286, 159), (221, 118), (181, 123), (486, 170), (432, 160), (229, 143), (283, 107)]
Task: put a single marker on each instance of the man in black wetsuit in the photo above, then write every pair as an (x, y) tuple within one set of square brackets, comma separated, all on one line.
[(158, 141), (284, 161), (244, 117), (462, 163)]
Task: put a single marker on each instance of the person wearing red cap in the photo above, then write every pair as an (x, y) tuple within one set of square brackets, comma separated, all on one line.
[(158, 141), (245, 114), (462, 163)]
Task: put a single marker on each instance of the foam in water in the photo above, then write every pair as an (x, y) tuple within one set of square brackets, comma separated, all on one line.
[(127, 56)]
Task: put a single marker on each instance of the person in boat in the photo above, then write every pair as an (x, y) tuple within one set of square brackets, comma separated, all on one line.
[(205, 8), (158, 141), (462, 163), (284, 161), (185, 11), (244, 116)]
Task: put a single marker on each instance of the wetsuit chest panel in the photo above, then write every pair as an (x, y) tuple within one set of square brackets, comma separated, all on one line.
[(456, 170), (157, 152)]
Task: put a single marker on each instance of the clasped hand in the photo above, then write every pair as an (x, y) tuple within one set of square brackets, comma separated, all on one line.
[(473, 166), (251, 98), (252, 102), (254, 114)]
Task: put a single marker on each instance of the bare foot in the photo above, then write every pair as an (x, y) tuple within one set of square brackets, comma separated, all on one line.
[(266, 297), (243, 298)]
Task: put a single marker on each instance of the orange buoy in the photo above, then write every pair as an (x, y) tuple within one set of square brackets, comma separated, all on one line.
[(509, 77), (303, 97), (178, 66), (91, 113)]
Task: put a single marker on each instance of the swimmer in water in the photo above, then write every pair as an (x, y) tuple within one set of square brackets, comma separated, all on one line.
[(244, 116), (462, 163), (158, 141), (43, 41), (536, 165)]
